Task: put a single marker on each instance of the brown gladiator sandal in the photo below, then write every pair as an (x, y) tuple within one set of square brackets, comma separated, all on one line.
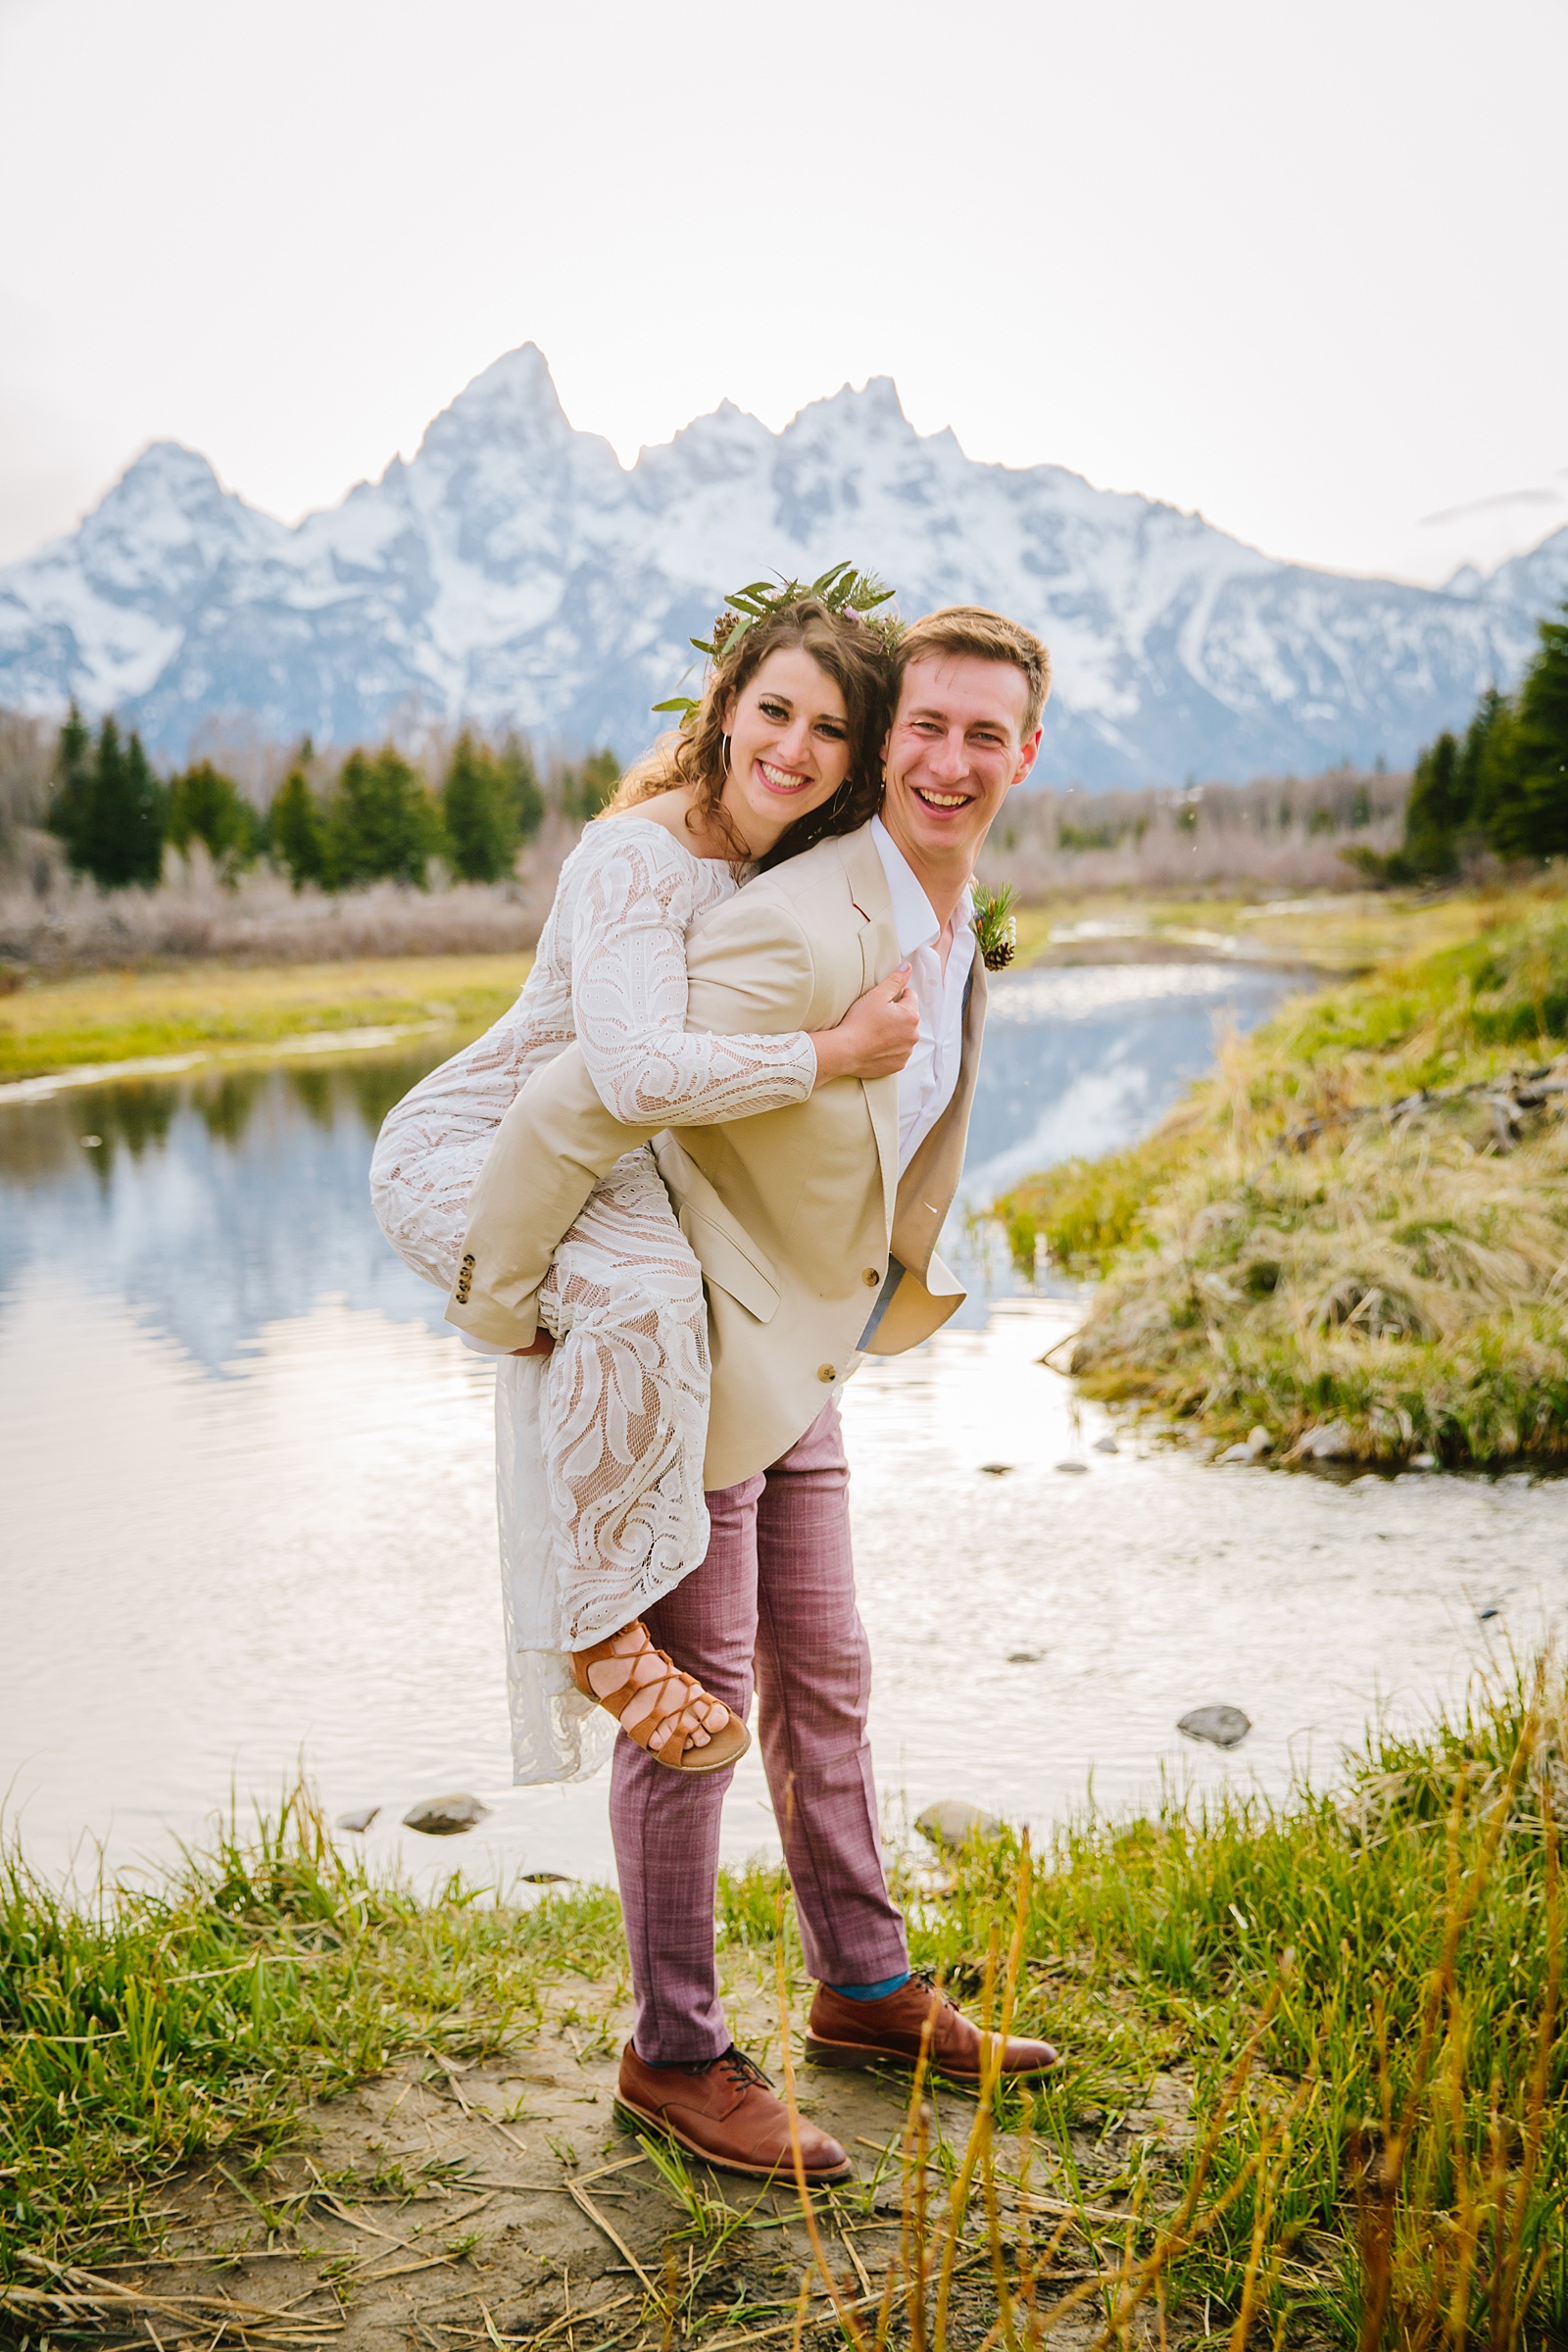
[(671, 1697)]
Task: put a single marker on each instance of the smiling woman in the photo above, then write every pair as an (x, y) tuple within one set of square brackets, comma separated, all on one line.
[(800, 682)]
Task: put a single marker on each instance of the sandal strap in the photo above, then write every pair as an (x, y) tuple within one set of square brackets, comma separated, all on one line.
[(661, 1707)]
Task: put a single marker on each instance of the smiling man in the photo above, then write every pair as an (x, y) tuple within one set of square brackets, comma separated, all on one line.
[(803, 1220), (966, 730)]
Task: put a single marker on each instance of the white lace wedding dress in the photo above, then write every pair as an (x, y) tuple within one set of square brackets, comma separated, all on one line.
[(599, 1446)]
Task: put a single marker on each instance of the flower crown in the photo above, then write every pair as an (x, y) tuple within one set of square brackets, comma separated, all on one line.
[(842, 589)]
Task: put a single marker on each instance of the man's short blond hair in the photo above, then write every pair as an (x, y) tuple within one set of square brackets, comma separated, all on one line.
[(992, 637)]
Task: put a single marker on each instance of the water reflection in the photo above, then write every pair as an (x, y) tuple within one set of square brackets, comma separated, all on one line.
[(218, 1201), (249, 1499), (215, 1203)]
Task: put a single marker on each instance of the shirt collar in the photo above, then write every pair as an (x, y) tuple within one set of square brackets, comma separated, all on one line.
[(914, 915)]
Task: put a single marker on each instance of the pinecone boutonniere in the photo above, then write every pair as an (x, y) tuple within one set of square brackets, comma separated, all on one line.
[(995, 928)]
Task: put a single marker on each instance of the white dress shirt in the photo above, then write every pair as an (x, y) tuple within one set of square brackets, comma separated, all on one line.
[(928, 1078)]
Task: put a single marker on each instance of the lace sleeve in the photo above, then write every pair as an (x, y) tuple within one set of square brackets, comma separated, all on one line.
[(433, 1144), (628, 962)]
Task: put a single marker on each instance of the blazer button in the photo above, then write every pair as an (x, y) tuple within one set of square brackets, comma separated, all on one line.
[(825, 1372), (871, 1279)]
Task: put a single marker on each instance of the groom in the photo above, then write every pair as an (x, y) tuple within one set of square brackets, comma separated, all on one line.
[(815, 1227)]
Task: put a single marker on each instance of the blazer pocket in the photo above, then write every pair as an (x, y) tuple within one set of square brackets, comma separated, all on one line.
[(739, 1276)]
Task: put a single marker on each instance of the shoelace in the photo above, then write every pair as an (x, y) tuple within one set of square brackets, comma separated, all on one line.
[(928, 1978), (740, 2069)]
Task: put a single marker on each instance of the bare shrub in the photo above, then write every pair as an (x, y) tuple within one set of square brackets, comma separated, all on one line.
[(72, 926), (1278, 833)]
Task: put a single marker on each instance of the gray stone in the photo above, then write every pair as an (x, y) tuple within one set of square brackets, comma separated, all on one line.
[(446, 1816), (1327, 1442), (360, 1820), (995, 1469), (1024, 1657), (547, 1878), (1079, 1469), (1423, 1461), (1107, 1446), (952, 1823), (1254, 1446), (1221, 1727)]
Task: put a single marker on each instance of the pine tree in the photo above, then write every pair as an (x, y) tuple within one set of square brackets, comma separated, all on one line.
[(381, 822), (1433, 812), (1500, 803), (1472, 754), (586, 791), (298, 836), (480, 804), (522, 778), (1540, 744), (118, 814), (207, 806), (71, 797)]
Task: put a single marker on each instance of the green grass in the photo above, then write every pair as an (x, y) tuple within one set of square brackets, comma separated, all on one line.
[(125, 1017), (1286, 1253), (1360, 1990), (199, 2016)]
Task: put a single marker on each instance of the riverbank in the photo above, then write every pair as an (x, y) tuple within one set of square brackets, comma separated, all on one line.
[(1351, 1239), (208, 1005), (113, 1018), (1314, 2061)]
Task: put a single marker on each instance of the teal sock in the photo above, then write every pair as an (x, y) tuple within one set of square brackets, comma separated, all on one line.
[(874, 1993)]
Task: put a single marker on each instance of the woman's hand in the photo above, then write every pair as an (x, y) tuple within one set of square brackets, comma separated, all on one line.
[(876, 1036), (540, 1345)]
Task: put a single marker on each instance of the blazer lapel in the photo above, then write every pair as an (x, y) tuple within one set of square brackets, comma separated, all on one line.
[(879, 953), (931, 1179)]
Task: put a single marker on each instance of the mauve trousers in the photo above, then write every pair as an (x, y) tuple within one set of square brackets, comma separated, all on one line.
[(775, 1591)]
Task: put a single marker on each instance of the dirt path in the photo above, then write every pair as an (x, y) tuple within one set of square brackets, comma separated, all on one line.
[(447, 2205)]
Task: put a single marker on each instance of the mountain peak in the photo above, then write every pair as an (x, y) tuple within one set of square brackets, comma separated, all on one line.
[(875, 407), (514, 398), (170, 496), (168, 470), (516, 573)]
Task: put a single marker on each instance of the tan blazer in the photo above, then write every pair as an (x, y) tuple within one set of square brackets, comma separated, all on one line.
[(798, 1217)]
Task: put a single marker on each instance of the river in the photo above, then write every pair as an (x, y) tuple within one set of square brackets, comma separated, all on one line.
[(249, 1525)]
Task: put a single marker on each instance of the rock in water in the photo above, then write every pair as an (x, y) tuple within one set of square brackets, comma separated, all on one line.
[(1258, 1444), (952, 1823), (445, 1816), (360, 1820), (1221, 1727), (1107, 1446), (1326, 1442)]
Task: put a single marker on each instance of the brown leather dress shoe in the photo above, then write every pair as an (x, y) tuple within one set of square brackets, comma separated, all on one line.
[(887, 2033), (726, 2112)]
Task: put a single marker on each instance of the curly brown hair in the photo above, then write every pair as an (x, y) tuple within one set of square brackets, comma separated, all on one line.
[(852, 653)]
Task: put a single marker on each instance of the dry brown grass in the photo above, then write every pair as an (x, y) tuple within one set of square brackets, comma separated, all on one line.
[(1357, 1232)]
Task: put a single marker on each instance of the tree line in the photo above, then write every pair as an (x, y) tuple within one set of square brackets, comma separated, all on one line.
[(377, 818), (1502, 785)]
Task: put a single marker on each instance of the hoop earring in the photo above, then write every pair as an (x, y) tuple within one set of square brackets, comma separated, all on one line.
[(725, 741)]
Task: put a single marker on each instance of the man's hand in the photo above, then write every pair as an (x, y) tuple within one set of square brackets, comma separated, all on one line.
[(876, 1036)]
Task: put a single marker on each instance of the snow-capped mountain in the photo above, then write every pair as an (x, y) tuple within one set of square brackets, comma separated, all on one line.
[(515, 571)]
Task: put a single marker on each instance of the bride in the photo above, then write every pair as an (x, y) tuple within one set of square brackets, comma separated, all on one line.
[(602, 1428)]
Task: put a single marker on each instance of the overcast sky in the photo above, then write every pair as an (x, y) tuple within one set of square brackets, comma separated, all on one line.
[(1298, 266)]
